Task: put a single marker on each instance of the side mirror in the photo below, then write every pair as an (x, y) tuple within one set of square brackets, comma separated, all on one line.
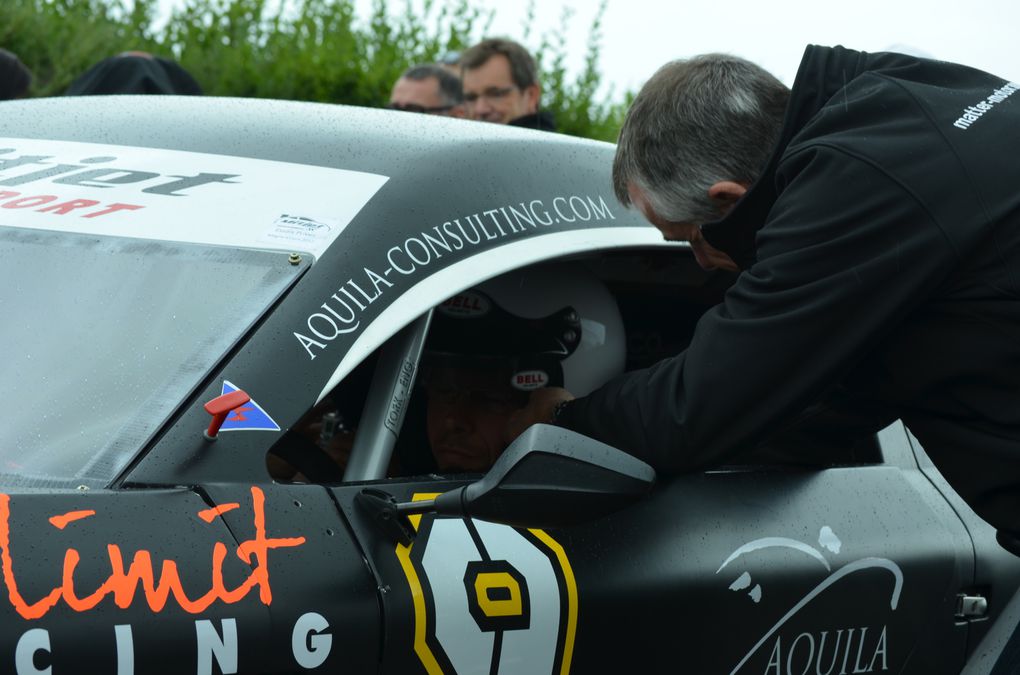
[(551, 477), (548, 477)]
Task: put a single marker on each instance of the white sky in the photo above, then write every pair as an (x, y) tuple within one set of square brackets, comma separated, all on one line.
[(641, 35)]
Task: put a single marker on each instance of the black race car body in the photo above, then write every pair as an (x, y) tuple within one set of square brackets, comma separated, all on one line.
[(157, 253)]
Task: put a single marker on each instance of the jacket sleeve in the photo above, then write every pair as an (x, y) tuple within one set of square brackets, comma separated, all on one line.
[(845, 254)]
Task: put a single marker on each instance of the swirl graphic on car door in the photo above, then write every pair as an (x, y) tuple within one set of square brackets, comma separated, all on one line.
[(489, 598)]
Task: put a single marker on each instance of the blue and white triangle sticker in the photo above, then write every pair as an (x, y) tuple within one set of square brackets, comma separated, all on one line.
[(249, 417)]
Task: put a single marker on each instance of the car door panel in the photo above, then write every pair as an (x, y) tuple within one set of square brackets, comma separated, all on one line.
[(468, 596), (997, 571), (125, 582), (322, 599), (751, 572), (741, 571)]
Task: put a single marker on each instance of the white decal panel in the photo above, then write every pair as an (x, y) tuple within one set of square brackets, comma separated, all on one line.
[(173, 195)]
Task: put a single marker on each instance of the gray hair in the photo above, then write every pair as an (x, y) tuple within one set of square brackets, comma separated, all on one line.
[(696, 122), (523, 69), (450, 90)]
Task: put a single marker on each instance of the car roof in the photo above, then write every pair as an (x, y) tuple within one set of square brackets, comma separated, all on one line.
[(418, 156), (432, 206), (333, 135)]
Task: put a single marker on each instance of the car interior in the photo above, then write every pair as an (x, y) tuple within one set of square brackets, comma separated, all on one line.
[(661, 296)]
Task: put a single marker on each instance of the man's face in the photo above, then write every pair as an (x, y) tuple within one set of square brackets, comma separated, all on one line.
[(490, 94), (421, 96), (468, 411), (708, 257)]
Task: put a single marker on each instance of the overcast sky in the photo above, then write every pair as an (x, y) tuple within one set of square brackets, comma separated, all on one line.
[(641, 35)]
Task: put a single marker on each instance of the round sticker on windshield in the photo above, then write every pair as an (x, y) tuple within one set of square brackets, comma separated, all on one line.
[(468, 304), (528, 380)]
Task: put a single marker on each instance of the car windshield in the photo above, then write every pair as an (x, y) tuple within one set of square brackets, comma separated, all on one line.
[(103, 337)]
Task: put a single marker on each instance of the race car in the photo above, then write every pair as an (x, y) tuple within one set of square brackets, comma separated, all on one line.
[(202, 296)]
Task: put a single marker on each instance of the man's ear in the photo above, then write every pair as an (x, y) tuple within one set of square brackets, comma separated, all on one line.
[(726, 193), (532, 93)]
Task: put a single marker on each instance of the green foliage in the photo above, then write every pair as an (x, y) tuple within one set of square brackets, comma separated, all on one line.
[(575, 103), (315, 50), (58, 39)]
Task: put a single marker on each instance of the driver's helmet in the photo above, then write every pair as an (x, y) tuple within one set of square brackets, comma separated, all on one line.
[(553, 325)]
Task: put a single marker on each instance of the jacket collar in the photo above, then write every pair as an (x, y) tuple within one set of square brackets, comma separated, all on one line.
[(542, 120), (823, 72)]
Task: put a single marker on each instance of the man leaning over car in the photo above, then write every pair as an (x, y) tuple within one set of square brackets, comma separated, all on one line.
[(875, 215)]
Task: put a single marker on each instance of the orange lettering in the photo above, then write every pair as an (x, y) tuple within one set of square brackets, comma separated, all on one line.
[(29, 611), (60, 522), (209, 515), (123, 585), (259, 547)]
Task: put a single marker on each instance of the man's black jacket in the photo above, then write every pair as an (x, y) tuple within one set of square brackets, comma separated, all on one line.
[(881, 250), (134, 74), (541, 120)]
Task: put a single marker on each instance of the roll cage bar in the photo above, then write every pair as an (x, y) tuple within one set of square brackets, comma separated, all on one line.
[(386, 403)]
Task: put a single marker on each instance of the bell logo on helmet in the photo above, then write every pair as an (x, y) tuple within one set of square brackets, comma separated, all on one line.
[(529, 380), (468, 304)]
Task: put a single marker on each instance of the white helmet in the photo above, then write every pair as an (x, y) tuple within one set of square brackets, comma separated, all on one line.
[(556, 324)]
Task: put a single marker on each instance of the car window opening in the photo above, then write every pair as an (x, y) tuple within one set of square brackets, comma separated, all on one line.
[(660, 296)]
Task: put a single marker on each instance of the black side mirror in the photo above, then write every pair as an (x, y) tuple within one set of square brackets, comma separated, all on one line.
[(551, 477), (548, 477)]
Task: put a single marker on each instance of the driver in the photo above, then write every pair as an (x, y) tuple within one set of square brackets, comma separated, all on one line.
[(553, 325), (489, 347)]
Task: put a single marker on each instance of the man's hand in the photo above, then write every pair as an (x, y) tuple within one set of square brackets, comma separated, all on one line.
[(541, 405)]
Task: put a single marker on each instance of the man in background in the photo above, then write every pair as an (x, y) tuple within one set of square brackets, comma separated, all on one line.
[(501, 85), (429, 89)]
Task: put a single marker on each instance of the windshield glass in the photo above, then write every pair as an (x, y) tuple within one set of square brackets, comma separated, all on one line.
[(103, 337)]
